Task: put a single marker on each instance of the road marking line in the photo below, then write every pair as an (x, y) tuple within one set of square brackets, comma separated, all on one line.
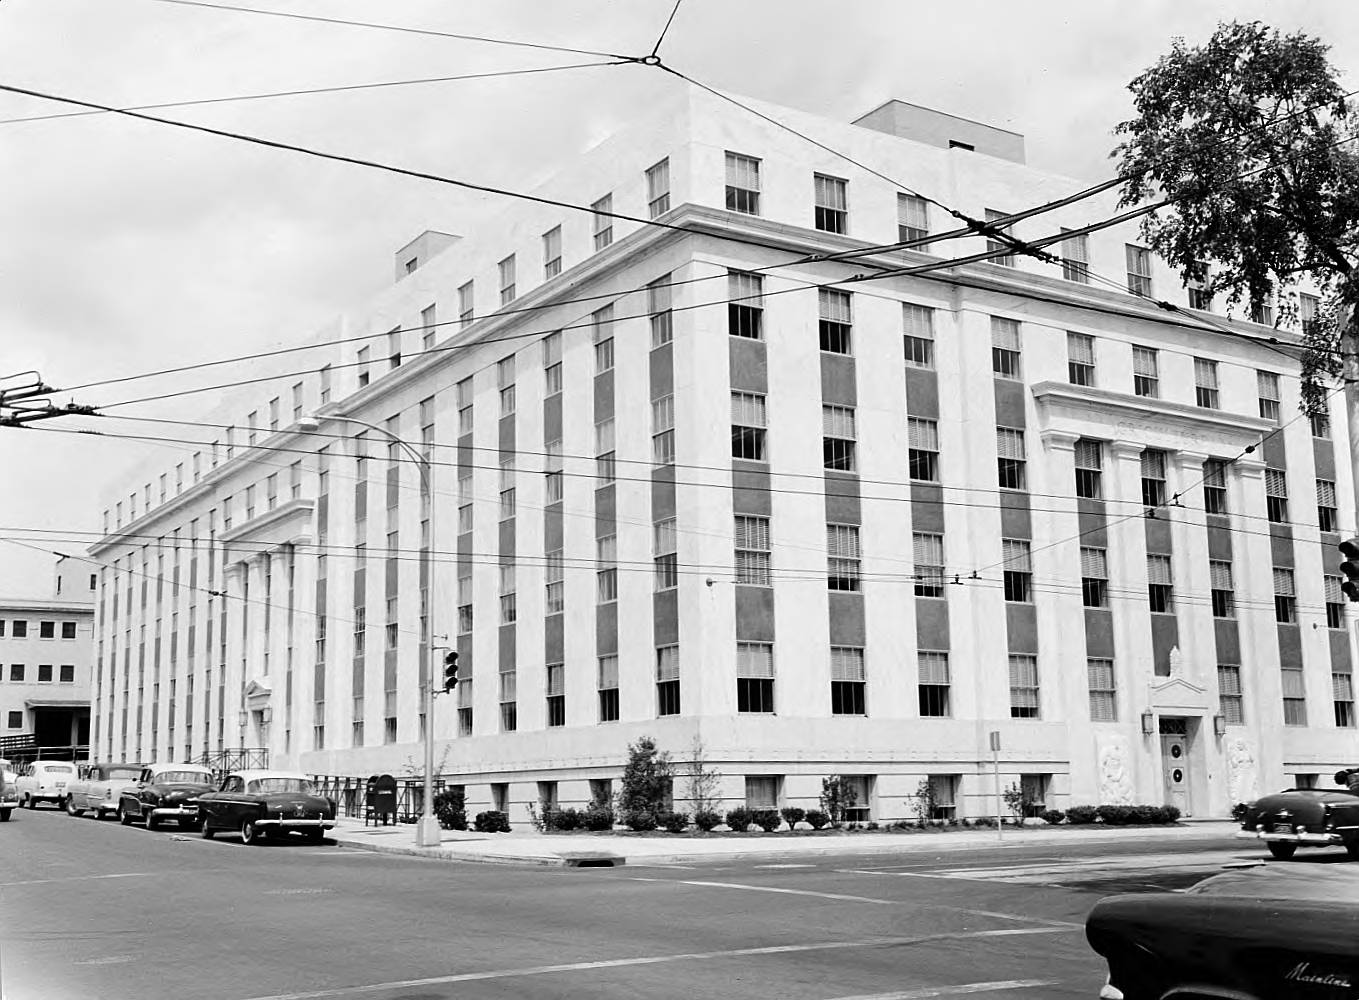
[(950, 991), (783, 866), (869, 899), (618, 963), (78, 878)]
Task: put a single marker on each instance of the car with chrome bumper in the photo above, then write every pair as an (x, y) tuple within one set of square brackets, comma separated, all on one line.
[(97, 788), (1262, 932), (1304, 817), (165, 792), (45, 781), (262, 805), (9, 795)]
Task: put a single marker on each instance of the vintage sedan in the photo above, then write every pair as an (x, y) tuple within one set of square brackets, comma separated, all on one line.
[(265, 804), (1304, 817), (9, 794), (1265, 931), (165, 791), (97, 788), (45, 781)]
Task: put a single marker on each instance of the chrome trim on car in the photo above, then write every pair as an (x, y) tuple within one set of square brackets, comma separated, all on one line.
[(172, 811), (1291, 838), (325, 824)]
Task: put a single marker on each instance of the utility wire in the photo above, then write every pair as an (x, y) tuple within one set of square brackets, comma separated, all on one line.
[(393, 27), (313, 90), (655, 49)]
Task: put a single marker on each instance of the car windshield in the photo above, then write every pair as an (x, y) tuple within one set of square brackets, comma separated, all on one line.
[(124, 773), (189, 777), (266, 785)]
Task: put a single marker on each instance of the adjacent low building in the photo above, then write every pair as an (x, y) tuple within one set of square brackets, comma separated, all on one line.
[(721, 461)]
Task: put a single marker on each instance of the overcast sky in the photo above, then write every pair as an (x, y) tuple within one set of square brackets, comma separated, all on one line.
[(129, 246)]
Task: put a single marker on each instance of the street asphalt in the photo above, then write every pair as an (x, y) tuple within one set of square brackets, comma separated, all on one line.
[(90, 909)]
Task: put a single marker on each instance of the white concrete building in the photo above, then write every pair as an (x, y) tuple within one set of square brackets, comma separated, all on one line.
[(849, 529), (46, 654)]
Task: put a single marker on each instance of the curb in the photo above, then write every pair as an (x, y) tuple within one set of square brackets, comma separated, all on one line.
[(440, 854)]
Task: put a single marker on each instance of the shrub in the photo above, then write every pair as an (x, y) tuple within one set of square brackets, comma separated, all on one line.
[(872, 825), (641, 820), (793, 814), (817, 818), (837, 794), (706, 819), (561, 819), (492, 821), (767, 820), (1053, 816), (987, 821), (674, 822), (598, 817), (450, 809), (904, 824), (1170, 814), (646, 782), (1078, 815), (738, 819)]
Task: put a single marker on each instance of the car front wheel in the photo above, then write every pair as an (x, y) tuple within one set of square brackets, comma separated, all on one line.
[(71, 809), (151, 821), (250, 833), (123, 816), (1281, 850)]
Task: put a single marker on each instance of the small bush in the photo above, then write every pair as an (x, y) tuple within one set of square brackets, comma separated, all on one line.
[(793, 815), (1113, 815), (1078, 815), (1052, 816), (767, 820), (492, 821), (872, 825), (640, 819), (817, 818), (706, 819), (450, 809), (561, 819), (674, 822), (986, 821), (597, 817), (738, 819), (1170, 814)]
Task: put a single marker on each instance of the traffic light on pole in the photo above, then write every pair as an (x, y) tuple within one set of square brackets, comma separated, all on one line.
[(450, 670), (1349, 548)]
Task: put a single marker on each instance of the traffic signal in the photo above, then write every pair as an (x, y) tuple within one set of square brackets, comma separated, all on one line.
[(1349, 548), (450, 670)]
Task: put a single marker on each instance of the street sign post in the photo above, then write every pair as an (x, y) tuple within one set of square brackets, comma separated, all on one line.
[(995, 765)]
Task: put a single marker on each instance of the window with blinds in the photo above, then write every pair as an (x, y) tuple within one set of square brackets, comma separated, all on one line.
[(1017, 570), (1076, 258), (1215, 486), (929, 564), (918, 325), (606, 569), (556, 695), (658, 304), (1327, 514), (555, 598), (1103, 690), (1342, 696), (1089, 461), (1011, 466), (1159, 584), (933, 683), (994, 245), (1139, 269), (1080, 359), (1153, 477), (1023, 686), (507, 279), (745, 306), (1335, 602), (1094, 577), (1268, 387), (848, 681), (1146, 372), (913, 221), (1294, 697), (748, 426), (606, 455), (842, 557), (837, 442), (1205, 383), (1005, 357), (743, 184), (607, 685), (755, 678), (1276, 496), (664, 544), (602, 221), (663, 431), (1285, 600), (832, 204), (752, 550), (836, 321), (1229, 697), (667, 680), (1222, 589), (922, 455), (658, 188)]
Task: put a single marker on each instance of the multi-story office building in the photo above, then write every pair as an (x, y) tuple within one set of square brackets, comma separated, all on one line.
[(46, 650), (714, 459)]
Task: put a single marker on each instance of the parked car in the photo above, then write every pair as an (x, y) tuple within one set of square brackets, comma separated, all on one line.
[(97, 787), (1267, 931), (45, 781), (263, 804), (165, 791), (1304, 817), (9, 794)]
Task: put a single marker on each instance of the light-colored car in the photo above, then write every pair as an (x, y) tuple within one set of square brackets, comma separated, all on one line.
[(9, 795), (45, 781), (99, 788)]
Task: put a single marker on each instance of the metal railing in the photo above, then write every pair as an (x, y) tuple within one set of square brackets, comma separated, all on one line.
[(223, 762), (25, 749), (349, 794)]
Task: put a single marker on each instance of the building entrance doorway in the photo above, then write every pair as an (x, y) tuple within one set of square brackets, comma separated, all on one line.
[(1175, 764)]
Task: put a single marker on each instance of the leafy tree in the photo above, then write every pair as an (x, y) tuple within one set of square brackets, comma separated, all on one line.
[(645, 785), (1245, 139), (704, 783), (837, 794)]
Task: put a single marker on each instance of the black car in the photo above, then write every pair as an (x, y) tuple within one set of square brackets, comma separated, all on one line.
[(165, 791), (1266, 932), (263, 805), (1305, 817)]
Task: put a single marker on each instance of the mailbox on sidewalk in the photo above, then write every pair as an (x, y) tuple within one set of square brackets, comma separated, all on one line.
[(379, 800)]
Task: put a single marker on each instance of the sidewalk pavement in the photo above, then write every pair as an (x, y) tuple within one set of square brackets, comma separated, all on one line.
[(602, 850)]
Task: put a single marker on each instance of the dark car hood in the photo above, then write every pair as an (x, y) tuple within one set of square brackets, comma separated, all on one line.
[(177, 789), (289, 801), (1303, 805)]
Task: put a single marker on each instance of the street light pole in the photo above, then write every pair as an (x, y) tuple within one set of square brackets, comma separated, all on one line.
[(427, 831)]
